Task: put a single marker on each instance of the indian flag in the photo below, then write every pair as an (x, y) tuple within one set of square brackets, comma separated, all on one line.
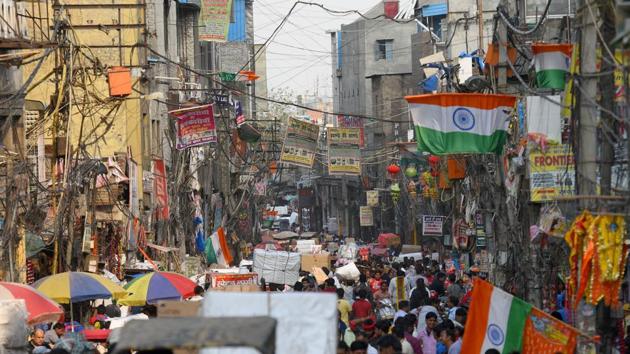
[(497, 321), (552, 63), (456, 123), (217, 249)]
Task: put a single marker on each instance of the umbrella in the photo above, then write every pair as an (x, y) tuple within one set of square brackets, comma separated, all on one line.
[(270, 246), (40, 308), (72, 287), (156, 286), (284, 235)]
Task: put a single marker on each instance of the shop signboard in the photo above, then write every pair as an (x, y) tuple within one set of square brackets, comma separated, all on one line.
[(551, 173), (432, 225), (300, 143)]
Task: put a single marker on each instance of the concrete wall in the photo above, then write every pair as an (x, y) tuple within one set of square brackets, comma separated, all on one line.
[(386, 29)]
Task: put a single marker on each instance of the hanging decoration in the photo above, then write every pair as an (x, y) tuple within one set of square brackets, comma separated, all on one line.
[(434, 163), (597, 244), (393, 170), (395, 191), (429, 186), (411, 171)]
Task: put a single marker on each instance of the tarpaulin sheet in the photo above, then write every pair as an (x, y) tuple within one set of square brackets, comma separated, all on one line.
[(277, 266), (306, 321)]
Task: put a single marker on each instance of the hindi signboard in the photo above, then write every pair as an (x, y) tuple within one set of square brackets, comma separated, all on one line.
[(300, 143), (195, 126), (366, 217), (344, 154), (352, 122), (432, 225), (551, 173), (214, 20)]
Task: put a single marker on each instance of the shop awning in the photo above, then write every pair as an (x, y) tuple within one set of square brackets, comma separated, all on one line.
[(436, 9)]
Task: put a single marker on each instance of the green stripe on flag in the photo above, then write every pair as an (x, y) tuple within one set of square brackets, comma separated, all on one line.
[(554, 79), (441, 143), (516, 325)]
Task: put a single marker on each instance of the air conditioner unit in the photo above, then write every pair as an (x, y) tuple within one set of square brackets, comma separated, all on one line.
[(338, 72)]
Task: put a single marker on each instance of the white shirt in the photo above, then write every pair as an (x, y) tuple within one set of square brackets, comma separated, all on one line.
[(451, 313), (399, 313), (406, 347), (422, 315), (372, 350)]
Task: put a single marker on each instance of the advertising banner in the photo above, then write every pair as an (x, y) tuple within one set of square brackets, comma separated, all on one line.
[(160, 191), (352, 122), (432, 225), (218, 280), (552, 173), (214, 20), (300, 143), (344, 154), (366, 217), (195, 126), (372, 198)]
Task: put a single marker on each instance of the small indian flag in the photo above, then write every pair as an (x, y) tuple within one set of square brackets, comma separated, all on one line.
[(498, 321), (552, 63), (217, 249), (455, 123)]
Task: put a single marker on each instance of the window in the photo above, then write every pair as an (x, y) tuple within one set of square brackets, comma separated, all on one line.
[(385, 49)]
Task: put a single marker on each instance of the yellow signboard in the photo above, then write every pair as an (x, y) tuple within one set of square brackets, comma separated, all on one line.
[(551, 173)]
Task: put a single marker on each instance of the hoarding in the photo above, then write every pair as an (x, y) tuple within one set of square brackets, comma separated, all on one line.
[(432, 225), (195, 126), (214, 20), (551, 173), (344, 154), (300, 143)]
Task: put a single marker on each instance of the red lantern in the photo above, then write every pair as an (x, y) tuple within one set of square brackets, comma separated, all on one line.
[(434, 163), (393, 169)]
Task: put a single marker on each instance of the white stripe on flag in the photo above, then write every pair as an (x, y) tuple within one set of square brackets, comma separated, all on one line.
[(499, 313), (460, 118), (551, 61)]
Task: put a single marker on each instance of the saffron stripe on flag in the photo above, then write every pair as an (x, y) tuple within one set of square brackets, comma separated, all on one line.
[(472, 100)]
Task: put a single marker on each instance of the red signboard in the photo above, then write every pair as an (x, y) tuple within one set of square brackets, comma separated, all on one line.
[(195, 126), (218, 280), (160, 190)]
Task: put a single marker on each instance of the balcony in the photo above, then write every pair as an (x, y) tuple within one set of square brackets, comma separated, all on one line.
[(24, 24)]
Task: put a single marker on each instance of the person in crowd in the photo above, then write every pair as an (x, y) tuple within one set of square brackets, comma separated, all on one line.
[(37, 343), (449, 338), (403, 310), (329, 286), (358, 347), (198, 294), (380, 329), (399, 332), (112, 310), (399, 287), (298, 287), (434, 303), (99, 318), (452, 303), (341, 327), (53, 335), (375, 281), (363, 284), (427, 335), (382, 293), (344, 308), (454, 289), (419, 295), (343, 348), (389, 344), (361, 308), (438, 284), (460, 317), (410, 323)]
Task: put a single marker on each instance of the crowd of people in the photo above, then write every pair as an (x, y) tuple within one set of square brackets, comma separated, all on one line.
[(408, 307)]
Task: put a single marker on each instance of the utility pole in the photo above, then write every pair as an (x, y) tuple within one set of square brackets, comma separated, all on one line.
[(480, 18), (587, 112)]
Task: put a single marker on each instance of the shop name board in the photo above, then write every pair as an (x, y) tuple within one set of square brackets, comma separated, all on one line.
[(432, 225)]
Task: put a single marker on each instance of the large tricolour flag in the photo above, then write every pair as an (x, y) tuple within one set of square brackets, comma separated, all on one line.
[(498, 320), (552, 62), (456, 123), (217, 249)]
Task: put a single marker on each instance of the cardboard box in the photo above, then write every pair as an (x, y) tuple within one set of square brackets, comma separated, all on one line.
[(315, 260), (178, 308)]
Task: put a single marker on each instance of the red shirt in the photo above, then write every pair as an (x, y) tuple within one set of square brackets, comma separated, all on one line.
[(361, 308), (375, 284)]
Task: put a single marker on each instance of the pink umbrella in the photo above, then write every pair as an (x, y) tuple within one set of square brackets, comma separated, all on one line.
[(40, 308)]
